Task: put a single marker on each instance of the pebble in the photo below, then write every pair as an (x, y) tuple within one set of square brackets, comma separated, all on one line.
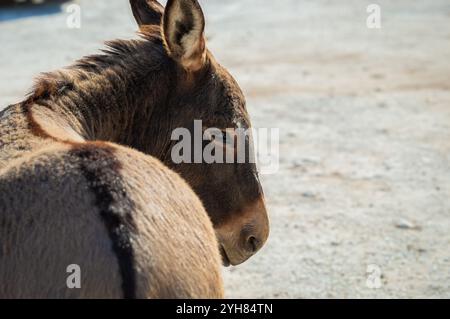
[(407, 225), (308, 195)]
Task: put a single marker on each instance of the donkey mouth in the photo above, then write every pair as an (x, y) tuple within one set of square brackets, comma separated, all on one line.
[(225, 260)]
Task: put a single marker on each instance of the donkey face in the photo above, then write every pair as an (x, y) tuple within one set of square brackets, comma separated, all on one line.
[(231, 192)]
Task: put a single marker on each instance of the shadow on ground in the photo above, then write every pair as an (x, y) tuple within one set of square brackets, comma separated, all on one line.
[(13, 10)]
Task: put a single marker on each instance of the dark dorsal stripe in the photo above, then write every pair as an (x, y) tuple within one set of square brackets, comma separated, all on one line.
[(101, 168)]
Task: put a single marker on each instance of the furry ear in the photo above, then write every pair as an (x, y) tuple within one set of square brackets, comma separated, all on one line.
[(183, 30), (147, 12)]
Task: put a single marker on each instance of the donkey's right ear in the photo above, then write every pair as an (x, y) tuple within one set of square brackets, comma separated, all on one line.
[(183, 30), (147, 12)]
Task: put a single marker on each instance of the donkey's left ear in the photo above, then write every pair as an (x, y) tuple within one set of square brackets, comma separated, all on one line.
[(183, 27), (147, 12)]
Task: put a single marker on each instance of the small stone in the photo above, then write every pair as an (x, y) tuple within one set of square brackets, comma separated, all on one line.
[(407, 225), (335, 243), (291, 134), (377, 76), (297, 164), (416, 249), (308, 195)]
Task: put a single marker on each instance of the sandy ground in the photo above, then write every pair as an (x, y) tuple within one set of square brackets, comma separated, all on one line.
[(364, 116)]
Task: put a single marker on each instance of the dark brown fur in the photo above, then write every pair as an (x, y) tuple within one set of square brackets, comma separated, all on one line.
[(102, 171)]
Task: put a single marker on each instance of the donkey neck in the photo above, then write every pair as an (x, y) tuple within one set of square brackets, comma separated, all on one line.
[(120, 96)]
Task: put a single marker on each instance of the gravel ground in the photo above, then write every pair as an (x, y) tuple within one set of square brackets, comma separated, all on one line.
[(364, 118)]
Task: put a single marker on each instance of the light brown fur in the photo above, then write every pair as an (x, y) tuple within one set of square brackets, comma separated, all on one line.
[(50, 220)]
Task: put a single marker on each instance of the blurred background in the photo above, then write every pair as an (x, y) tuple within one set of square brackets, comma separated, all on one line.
[(360, 206)]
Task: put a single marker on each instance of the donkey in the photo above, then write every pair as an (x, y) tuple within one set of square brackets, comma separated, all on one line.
[(86, 175)]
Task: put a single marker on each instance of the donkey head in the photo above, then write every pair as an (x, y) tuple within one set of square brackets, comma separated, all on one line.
[(204, 90)]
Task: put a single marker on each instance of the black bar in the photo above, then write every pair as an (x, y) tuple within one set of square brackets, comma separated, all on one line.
[(227, 308)]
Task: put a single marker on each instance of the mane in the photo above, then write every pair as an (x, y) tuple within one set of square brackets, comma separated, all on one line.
[(115, 55)]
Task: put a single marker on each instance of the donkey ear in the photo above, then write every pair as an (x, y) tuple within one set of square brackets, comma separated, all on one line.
[(183, 27), (147, 12)]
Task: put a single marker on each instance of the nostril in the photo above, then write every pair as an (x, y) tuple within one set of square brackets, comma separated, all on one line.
[(253, 244)]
